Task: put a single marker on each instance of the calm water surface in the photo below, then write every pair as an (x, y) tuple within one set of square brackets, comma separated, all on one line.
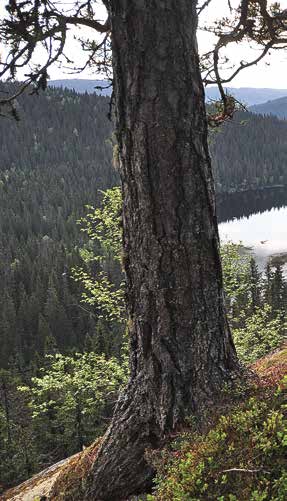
[(258, 219)]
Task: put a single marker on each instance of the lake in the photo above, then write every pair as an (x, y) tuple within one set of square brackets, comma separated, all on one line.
[(259, 220)]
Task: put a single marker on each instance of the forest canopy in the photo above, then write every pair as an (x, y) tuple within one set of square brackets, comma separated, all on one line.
[(182, 355)]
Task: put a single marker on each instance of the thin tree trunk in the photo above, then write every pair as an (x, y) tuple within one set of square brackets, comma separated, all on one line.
[(182, 351), (79, 426), (6, 410)]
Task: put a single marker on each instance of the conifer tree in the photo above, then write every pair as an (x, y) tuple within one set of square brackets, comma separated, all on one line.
[(182, 353)]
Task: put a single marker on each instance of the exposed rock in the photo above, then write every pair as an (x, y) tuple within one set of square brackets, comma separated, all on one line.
[(38, 487)]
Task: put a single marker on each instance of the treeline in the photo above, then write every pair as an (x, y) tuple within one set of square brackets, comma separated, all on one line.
[(52, 163), (51, 411), (250, 152)]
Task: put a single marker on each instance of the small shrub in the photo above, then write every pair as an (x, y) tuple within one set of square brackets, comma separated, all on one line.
[(242, 459), (261, 333)]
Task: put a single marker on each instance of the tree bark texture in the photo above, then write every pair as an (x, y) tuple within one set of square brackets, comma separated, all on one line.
[(182, 350)]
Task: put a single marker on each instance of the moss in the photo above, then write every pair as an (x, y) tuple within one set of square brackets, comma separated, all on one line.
[(239, 456), (242, 457), (71, 484)]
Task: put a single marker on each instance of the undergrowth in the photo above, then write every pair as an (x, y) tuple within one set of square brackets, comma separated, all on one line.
[(240, 457), (243, 456)]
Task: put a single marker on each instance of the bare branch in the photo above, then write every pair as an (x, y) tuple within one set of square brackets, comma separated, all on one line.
[(242, 66), (203, 6), (243, 470), (254, 23), (40, 23), (81, 21)]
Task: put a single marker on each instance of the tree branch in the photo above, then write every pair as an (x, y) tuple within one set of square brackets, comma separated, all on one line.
[(254, 23), (75, 20), (243, 470), (203, 6)]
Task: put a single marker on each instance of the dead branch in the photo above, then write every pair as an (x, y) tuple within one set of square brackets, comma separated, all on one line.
[(244, 470)]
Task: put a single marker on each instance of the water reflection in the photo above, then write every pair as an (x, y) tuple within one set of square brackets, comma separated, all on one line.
[(258, 219), (244, 204)]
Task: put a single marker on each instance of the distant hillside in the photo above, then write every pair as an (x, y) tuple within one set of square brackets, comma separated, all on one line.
[(247, 95), (52, 163), (277, 107), (83, 85), (250, 152)]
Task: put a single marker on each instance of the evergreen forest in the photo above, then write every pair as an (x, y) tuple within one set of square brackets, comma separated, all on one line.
[(62, 317), (250, 152), (53, 161)]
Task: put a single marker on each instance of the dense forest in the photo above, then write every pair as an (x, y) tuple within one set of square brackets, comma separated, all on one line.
[(250, 152), (54, 162)]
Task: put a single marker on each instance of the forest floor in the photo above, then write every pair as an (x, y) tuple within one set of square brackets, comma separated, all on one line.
[(70, 474), (38, 487)]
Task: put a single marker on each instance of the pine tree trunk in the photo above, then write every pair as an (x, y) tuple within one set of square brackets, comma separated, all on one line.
[(182, 351)]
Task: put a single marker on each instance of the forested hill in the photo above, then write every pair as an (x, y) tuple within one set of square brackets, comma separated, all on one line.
[(247, 95), (56, 127), (250, 152), (52, 163), (276, 107)]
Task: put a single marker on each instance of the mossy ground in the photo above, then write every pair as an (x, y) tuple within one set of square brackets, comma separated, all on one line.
[(242, 456), (239, 456), (72, 482)]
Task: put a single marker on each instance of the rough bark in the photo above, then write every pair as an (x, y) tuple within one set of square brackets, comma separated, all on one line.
[(182, 351)]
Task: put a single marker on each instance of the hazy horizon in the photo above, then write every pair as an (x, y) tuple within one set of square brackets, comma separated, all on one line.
[(268, 74)]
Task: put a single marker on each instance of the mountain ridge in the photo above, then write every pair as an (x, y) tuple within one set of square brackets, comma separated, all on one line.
[(275, 107), (247, 95)]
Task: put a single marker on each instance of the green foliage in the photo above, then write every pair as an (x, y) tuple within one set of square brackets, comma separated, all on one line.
[(103, 294), (236, 272), (255, 306), (243, 458), (103, 284), (102, 224), (260, 334), (67, 406), (72, 400)]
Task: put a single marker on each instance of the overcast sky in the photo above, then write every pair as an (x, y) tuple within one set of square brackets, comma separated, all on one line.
[(270, 73)]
